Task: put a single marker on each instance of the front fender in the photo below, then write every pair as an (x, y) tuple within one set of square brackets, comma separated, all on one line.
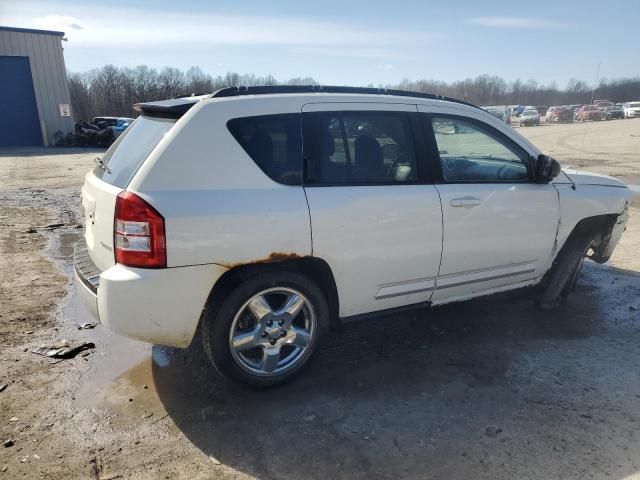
[(604, 250), (580, 202)]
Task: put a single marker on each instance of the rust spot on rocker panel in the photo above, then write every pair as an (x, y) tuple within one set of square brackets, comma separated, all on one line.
[(271, 258)]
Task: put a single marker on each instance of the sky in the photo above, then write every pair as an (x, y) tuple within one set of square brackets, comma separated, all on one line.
[(348, 42)]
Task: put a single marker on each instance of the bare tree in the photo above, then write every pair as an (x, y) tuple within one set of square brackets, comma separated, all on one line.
[(111, 90)]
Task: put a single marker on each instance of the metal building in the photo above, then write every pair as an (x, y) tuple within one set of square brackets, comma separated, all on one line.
[(34, 90)]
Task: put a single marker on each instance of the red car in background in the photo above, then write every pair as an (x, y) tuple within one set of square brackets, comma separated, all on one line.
[(588, 112), (562, 114)]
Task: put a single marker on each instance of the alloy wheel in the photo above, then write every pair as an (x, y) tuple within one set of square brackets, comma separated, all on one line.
[(272, 332)]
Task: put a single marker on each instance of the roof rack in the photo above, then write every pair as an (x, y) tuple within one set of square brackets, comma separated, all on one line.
[(272, 89)]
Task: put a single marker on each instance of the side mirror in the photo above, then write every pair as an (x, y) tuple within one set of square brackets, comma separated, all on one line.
[(547, 169)]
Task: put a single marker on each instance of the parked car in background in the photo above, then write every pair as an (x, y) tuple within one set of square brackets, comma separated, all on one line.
[(501, 113), (631, 109), (542, 109), (559, 114), (516, 110), (602, 103), (613, 111), (117, 124), (588, 112), (529, 116), (574, 110)]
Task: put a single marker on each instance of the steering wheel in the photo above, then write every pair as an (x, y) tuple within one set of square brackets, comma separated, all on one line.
[(506, 173), (402, 158)]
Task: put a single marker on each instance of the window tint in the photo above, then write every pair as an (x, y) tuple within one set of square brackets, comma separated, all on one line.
[(471, 153), (358, 148), (129, 151), (273, 142)]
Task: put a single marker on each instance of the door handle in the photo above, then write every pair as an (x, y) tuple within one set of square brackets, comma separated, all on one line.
[(465, 202)]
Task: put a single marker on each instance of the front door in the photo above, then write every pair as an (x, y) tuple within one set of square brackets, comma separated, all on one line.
[(373, 219), (499, 226)]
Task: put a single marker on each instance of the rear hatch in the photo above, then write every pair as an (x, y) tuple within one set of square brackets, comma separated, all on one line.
[(112, 174)]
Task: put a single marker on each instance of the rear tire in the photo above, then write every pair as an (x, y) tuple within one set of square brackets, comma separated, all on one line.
[(266, 330)]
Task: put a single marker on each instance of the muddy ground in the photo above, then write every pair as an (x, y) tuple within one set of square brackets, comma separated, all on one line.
[(491, 388)]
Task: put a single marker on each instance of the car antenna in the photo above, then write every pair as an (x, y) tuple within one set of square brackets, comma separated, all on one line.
[(593, 94)]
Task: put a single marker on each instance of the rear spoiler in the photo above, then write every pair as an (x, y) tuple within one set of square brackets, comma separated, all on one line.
[(173, 108)]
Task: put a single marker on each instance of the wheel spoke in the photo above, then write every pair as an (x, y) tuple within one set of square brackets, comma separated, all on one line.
[(259, 307), (293, 306), (245, 341), (301, 338), (270, 358)]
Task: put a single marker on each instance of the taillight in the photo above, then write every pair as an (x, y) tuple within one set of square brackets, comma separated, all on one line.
[(138, 233)]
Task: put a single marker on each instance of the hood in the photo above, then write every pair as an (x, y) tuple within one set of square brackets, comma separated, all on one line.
[(580, 177)]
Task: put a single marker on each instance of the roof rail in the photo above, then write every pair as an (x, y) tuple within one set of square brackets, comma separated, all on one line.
[(273, 89)]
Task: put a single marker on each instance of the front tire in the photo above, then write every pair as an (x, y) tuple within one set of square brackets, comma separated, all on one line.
[(267, 329), (561, 280)]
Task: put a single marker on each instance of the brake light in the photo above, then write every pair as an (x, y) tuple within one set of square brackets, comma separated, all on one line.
[(138, 233)]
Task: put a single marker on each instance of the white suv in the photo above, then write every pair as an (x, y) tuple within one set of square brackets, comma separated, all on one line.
[(262, 216), (631, 109)]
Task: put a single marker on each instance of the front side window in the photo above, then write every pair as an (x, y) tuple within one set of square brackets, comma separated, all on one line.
[(471, 153), (273, 143), (358, 148)]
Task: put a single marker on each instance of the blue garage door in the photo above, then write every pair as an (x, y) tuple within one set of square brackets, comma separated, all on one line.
[(19, 122)]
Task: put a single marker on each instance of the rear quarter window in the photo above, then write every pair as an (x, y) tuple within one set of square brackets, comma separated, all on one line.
[(274, 143), (129, 151)]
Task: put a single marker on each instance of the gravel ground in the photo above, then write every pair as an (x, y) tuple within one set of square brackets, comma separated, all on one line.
[(492, 388)]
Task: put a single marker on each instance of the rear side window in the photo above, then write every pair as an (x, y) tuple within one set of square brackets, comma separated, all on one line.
[(273, 142), (358, 148), (129, 151)]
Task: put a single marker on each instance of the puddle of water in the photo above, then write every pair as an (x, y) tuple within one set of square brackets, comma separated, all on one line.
[(114, 355), (66, 243)]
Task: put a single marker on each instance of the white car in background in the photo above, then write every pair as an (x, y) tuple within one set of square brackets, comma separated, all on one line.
[(530, 116), (257, 218), (631, 109)]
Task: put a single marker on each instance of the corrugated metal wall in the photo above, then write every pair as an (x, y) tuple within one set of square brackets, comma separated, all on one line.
[(49, 76)]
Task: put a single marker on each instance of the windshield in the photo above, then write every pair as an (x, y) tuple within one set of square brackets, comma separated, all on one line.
[(634, 105), (126, 155), (530, 113)]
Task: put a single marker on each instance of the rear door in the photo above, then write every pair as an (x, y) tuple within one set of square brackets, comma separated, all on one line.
[(373, 218), (499, 226)]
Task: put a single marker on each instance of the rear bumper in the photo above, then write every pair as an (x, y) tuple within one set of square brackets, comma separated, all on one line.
[(160, 306), (87, 277)]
